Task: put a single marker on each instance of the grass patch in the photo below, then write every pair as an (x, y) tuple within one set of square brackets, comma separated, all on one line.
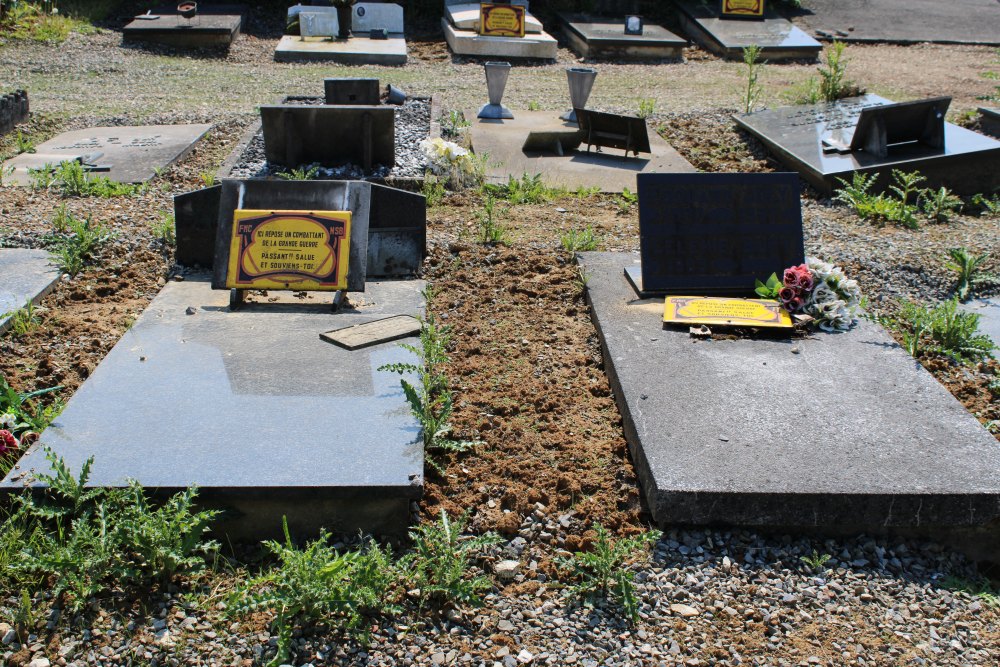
[(51, 21)]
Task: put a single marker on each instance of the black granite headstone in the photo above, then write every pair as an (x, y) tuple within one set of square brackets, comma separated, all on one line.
[(613, 131), (351, 91), (920, 121), (195, 220), (714, 234), (330, 135)]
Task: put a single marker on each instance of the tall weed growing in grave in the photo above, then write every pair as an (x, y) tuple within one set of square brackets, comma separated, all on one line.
[(430, 398), (754, 89), (601, 573), (970, 271), (524, 190), (491, 229), (579, 240), (903, 201), (317, 583), (76, 250), (72, 180), (438, 566), (942, 329)]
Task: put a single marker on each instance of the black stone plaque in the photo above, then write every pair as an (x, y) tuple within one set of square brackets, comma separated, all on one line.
[(613, 131), (352, 91), (715, 233), (196, 219), (330, 135), (920, 121)]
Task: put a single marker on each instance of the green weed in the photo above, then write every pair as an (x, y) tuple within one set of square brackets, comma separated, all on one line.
[(300, 173), (901, 204), (943, 329), (20, 411), (970, 272), (833, 77), (579, 240), (601, 574), (163, 228), (72, 180), (75, 251), (534, 106), (24, 143), (24, 320), (754, 89), (61, 218), (989, 206), (626, 200), (41, 21), (524, 190), (440, 560), (647, 105), (207, 178), (938, 205), (491, 229), (816, 561), (433, 190), (453, 123)]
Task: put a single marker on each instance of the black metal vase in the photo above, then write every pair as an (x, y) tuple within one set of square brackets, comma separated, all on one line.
[(344, 14)]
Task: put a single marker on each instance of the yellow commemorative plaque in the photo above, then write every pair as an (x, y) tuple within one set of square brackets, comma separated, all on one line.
[(293, 250), (725, 312), (743, 8), (501, 20)]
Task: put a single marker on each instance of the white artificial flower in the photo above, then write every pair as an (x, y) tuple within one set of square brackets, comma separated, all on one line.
[(8, 420)]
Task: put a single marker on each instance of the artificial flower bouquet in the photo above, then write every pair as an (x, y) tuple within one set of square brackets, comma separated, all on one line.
[(818, 290)]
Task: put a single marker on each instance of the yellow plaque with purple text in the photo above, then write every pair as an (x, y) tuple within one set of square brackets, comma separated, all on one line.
[(289, 250), (501, 20), (720, 311), (742, 8)]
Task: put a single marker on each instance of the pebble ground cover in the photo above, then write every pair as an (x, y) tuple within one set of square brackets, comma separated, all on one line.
[(527, 375)]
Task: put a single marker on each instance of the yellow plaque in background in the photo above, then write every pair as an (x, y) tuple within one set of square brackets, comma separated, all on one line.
[(289, 250), (743, 8), (725, 312), (501, 20)]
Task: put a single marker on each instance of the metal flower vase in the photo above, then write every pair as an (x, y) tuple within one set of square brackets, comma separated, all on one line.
[(581, 82), (496, 81)]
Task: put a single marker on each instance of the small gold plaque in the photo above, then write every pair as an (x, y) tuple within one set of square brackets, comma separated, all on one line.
[(725, 312), (741, 8), (501, 20)]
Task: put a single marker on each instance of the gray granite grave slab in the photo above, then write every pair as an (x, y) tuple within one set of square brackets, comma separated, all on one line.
[(989, 316), (204, 30), (128, 154), (503, 141), (989, 120), (604, 38), (969, 163), (834, 431), (24, 275), (253, 408), (777, 37), (955, 22), (368, 16)]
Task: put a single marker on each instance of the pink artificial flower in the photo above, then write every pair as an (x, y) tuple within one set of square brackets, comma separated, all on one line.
[(8, 443), (787, 293), (806, 280), (791, 277), (795, 304)]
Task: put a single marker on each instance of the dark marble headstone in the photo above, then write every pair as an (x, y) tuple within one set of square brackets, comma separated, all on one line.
[(610, 130), (351, 91), (968, 163), (716, 233), (919, 121), (330, 135), (196, 217)]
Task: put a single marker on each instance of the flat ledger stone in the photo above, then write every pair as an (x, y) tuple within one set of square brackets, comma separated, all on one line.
[(540, 45), (833, 430), (956, 22), (24, 274), (129, 154), (255, 409), (601, 37), (204, 30), (608, 170), (968, 164), (354, 51), (777, 37)]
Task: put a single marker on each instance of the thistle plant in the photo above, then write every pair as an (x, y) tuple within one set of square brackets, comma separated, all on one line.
[(754, 89), (579, 240), (970, 272)]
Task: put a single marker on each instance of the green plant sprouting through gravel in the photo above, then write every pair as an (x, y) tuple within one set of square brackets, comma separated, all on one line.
[(163, 228), (901, 204), (832, 84), (579, 240), (453, 123), (754, 90), (524, 190), (816, 561), (85, 541), (300, 173), (76, 249), (24, 320), (943, 329), (993, 75), (318, 583), (488, 221), (602, 573), (647, 105), (970, 271), (70, 179), (430, 397), (626, 200)]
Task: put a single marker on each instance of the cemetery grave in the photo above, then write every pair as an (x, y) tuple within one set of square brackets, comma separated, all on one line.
[(529, 381), (612, 38), (777, 37), (25, 277), (204, 26), (466, 37), (372, 34)]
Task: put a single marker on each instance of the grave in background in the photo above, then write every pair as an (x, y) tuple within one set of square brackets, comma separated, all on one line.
[(462, 31), (24, 275), (211, 26), (777, 37), (599, 37), (329, 135), (122, 154), (969, 162), (375, 36), (965, 22), (13, 110), (989, 119), (787, 433)]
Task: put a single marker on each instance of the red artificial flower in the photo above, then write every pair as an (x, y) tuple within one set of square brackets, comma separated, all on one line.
[(8, 443), (791, 277), (787, 293), (795, 304)]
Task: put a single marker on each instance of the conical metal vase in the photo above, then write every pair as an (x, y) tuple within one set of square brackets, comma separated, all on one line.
[(496, 81), (581, 82)]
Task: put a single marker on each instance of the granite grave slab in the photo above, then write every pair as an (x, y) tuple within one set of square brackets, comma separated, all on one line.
[(331, 135), (956, 22), (968, 163), (777, 37), (989, 316), (598, 37), (358, 50), (25, 274), (123, 154), (277, 421), (212, 26), (504, 140), (702, 234), (834, 431), (989, 120), (353, 91)]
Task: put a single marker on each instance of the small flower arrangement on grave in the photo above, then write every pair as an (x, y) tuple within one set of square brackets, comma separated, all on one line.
[(818, 290), (8, 443), (449, 160)]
